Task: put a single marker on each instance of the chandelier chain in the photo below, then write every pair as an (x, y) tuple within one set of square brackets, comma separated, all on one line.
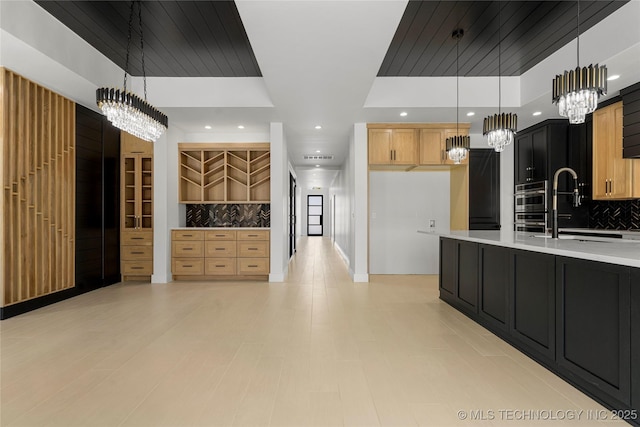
[(578, 26), (144, 73), (126, 66)]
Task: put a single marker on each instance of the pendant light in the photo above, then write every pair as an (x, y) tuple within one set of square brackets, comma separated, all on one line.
[(457, 145), (576, 92), (500, 128), (127, 111)]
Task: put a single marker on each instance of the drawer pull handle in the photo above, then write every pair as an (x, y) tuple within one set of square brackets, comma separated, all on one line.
[(137, 253), (187, 235), (219, 249), (252, 235), (136, 268), (220, 266), (187, 266), (187, 249), (220, 235), (252, 249), (252, 266), (137, 238)]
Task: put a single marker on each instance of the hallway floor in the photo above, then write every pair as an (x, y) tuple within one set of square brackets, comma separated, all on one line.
[(316, 350)]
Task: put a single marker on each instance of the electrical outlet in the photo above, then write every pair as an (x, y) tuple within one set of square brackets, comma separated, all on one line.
[(432, 223)]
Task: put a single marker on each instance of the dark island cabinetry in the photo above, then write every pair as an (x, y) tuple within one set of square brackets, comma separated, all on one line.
[(533, 301), (493, 305), (593, 325), (459, 280), (579, 318)]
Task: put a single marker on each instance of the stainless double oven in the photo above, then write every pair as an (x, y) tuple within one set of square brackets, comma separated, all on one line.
[(531, 209)]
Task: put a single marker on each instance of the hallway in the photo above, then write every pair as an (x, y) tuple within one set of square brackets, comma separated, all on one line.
[(316, 350)]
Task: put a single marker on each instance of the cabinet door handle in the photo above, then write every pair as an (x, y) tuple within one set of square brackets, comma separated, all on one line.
[(611, 186)]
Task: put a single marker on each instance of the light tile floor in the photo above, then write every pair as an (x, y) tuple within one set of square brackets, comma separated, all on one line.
[(317, 350)]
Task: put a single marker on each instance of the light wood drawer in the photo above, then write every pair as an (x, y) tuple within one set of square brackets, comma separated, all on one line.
[(137, 268), (255, 249), (224, 249), (184, 249), (253, 235), (220, 235), (135, 253), (186, 266), (220, 266), (250, 266), (137, 238), (187, 235)]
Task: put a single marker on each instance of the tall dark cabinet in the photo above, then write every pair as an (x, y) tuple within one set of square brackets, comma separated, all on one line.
[(97, 201), (484, 189), (542, 149)]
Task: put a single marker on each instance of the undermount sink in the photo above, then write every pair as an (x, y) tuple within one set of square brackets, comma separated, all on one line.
[(584, 238)]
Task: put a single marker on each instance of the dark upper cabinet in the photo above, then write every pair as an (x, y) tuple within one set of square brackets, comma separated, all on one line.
[(542, 149), (484, 189), (631, 121)]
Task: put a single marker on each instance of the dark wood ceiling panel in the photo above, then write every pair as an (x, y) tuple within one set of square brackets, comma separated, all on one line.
[(181, 38), (530, 32)]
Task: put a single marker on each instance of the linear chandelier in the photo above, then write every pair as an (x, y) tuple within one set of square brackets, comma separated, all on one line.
[(126, 110), (500, 128), (457, 146), (576, 92)]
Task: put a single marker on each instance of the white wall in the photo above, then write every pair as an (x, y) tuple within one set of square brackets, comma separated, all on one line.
[(326, 212), (279, 204), (400, 203), (350, 189)]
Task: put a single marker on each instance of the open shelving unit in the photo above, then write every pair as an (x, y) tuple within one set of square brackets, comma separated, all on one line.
[(224, 173)]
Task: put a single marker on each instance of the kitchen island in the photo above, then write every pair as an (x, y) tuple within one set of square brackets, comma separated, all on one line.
[(572, 304)]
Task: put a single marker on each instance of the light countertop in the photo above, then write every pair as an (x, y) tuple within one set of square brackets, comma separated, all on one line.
[(221, 228), (613, 251)]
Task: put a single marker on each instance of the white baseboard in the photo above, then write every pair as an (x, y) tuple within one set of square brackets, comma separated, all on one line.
[(342, 254), (159, 278), (360, 278)]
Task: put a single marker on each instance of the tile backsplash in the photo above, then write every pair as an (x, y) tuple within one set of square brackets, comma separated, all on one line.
[(614, 215), (229, 215)]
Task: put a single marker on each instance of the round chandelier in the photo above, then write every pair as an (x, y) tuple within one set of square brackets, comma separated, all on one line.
[(577, 91), (457, 146), (500, 128), (127, 111)]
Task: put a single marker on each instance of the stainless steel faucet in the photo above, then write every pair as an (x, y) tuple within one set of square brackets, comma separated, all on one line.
[(576, 197)]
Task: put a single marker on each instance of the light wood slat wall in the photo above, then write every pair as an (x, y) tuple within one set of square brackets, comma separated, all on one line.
[(37, 219)]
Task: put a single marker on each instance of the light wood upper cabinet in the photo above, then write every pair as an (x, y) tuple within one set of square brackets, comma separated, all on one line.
[(613, 176), (393, 147), (431, 147), (224, 173)]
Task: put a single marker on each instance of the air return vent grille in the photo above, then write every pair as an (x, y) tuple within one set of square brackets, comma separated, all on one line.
[(318, 157)]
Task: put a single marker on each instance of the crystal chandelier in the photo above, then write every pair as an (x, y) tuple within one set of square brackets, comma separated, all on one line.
[(127, 111), (576, 92), (457, 146), (500, 128)]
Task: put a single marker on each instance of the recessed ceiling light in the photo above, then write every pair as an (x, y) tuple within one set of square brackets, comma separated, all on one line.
[(403, 114), (207, 127), (317, 166), (537, 113), (317, 151), (318, 127), (240, 127), (471, 113), (613, 77)]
